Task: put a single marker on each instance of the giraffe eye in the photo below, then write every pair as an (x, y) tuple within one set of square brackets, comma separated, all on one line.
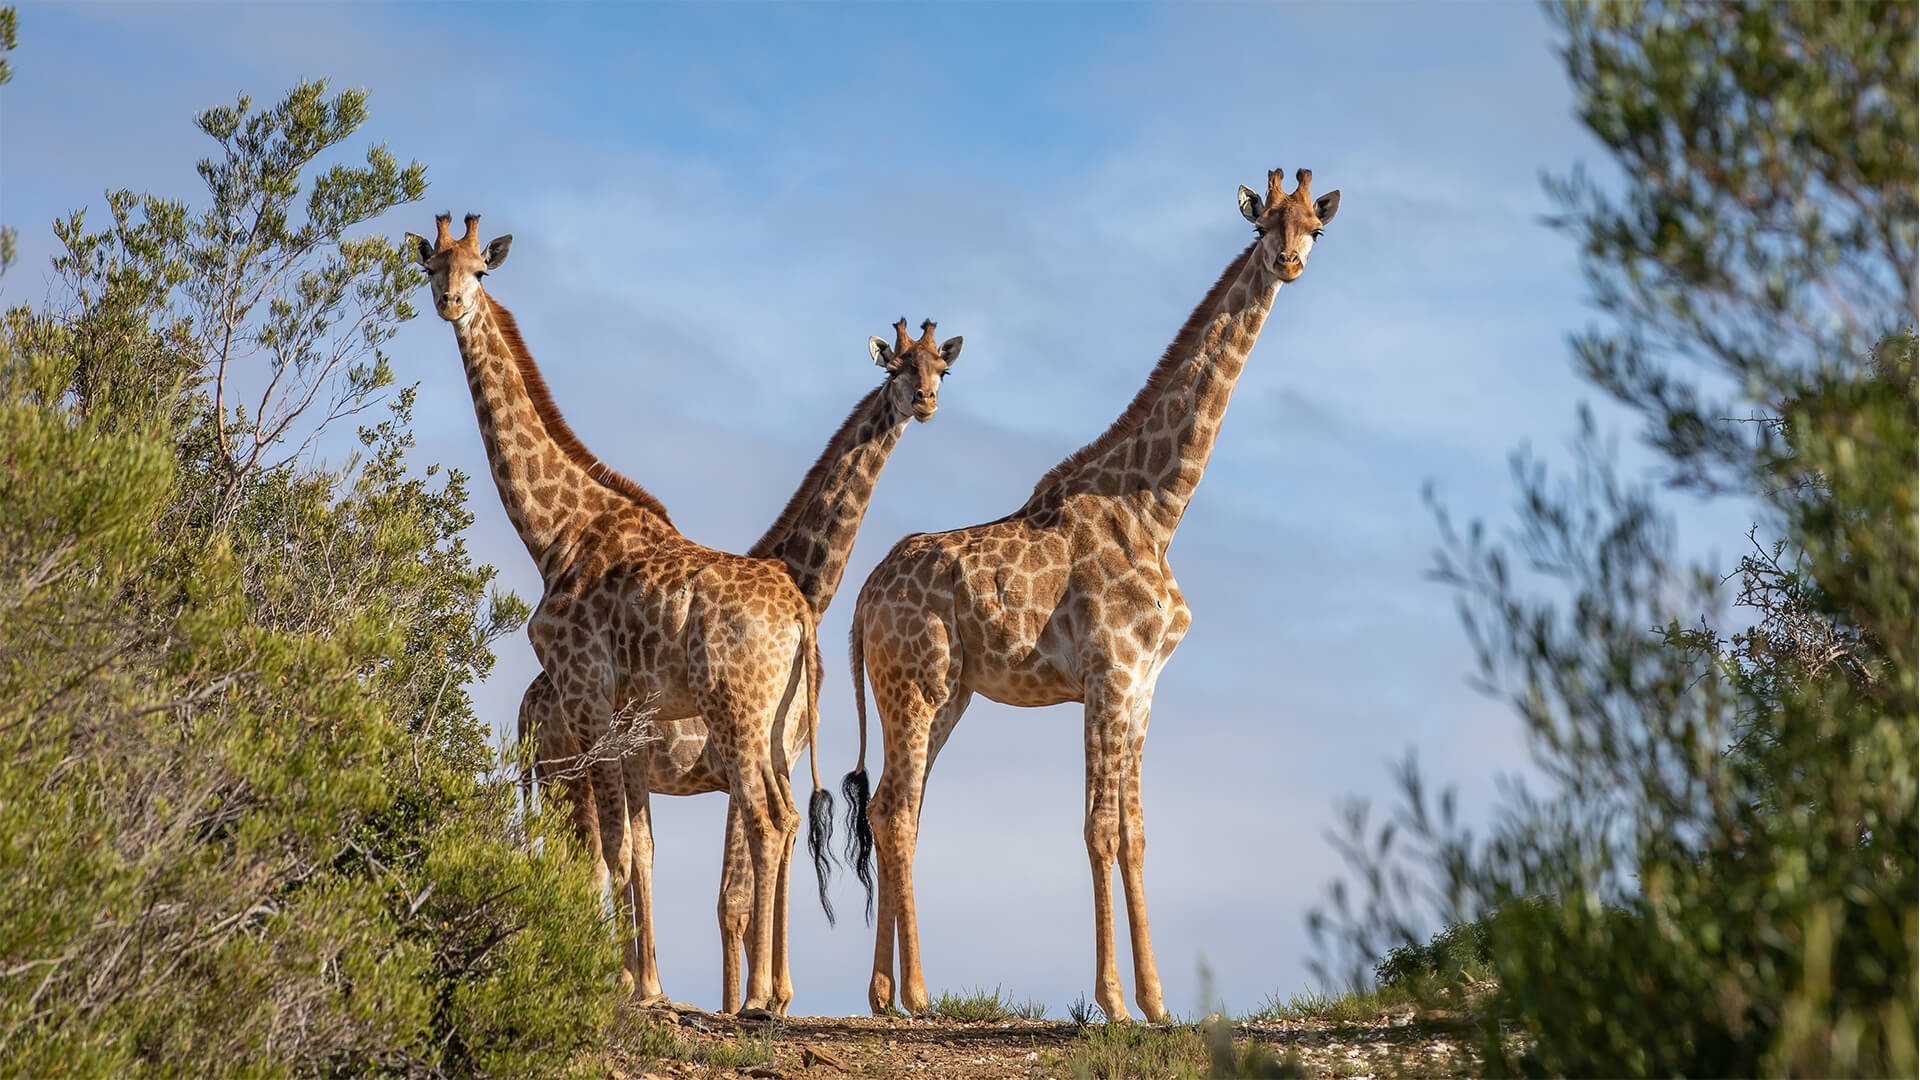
[(1318, 233), (478, 274)]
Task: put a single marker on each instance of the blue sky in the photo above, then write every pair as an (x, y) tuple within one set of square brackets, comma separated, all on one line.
[(714, 206)]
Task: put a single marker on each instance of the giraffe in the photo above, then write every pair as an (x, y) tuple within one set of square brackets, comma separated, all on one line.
[(1069, 598), (813, 537), (633, 611)]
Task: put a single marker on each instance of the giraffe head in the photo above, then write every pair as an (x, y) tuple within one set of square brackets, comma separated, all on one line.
[(454, 267), (915, 368), (1288, 223)]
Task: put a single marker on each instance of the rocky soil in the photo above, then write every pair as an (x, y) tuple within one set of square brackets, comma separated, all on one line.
[(682, 1042)]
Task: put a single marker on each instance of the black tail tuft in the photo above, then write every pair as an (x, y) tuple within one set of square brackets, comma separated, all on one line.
[(819, 837), (859, 832)]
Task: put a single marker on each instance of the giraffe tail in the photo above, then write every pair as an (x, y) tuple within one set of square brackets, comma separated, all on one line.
[(859, 853), (820, 805)]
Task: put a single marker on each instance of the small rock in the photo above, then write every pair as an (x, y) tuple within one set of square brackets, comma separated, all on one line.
[(761, 1072), (809, 1057)]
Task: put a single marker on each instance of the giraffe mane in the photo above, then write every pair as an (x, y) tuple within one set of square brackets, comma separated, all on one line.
[(1136, 411), (556, 425), (817, 475)]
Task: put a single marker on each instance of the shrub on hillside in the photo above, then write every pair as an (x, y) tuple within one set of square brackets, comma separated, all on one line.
[(1458, 948), (244, 814), (1725, 865)]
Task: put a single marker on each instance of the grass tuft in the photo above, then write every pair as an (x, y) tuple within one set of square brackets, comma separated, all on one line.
[(1085, 1014), (1356, 1006), (1180, 1052), (1133, 1052), (982, 1006)]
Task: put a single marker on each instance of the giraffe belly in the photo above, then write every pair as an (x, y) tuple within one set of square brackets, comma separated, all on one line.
[(683, 761), (1030, 680)]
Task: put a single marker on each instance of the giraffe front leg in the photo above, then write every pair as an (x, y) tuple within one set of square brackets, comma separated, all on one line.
[(616, 864), (1133, 855), (736, 904), (640, 824), (1106, 740)]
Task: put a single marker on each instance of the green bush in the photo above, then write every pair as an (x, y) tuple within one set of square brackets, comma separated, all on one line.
[(1459, 947), (1720, 878), (246, 819)]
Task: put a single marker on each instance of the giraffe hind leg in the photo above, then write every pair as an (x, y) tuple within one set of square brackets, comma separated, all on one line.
[(1107, 717), (912, 743), (1133, 852), (736, 903), (756, 795), (789, 832)]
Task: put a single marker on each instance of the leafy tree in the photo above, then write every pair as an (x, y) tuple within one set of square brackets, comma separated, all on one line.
[(8, 40), (245, 813), (1722, 877)]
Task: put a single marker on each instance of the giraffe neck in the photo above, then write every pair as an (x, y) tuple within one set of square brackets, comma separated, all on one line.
[(1150, 461), (551, 485), (814, 534)]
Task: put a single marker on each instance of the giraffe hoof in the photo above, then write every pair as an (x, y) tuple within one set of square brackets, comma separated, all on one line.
[(651, 1000), (755, 1013), (880, 995)]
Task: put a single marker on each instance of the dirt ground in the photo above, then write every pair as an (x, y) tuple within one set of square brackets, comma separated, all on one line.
[(684, 1042)]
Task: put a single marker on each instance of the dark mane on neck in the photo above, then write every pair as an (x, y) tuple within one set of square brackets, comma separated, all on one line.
[(810, 486), (556, 425), (1184, 343)]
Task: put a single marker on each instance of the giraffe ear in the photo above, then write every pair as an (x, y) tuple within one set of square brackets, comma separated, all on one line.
[(950, 349), (496, 252), (882, 352), (1250, 207), (1326, 206), (422, 250)]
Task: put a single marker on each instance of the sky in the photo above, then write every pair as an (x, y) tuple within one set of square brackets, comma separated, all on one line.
[(714, 205)]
